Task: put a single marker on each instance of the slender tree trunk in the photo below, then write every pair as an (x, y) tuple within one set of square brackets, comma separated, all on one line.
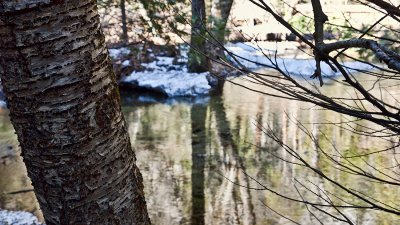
[(220, 12), (65, 107), (197, 62), (124, 36)]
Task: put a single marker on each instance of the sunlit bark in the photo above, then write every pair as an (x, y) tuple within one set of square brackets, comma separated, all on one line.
[(65, 107)]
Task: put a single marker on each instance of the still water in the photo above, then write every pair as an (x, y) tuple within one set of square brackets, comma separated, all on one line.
[(202, 162)]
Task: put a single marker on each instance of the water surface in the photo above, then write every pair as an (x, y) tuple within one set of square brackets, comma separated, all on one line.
[(201, 161)]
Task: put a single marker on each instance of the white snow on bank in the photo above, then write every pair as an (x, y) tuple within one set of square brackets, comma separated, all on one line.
[(300, 66), (3, 104), (118, 52), (17, 218), (173, 80)]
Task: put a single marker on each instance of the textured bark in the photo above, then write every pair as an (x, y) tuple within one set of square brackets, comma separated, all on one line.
[(197, 61), (64, 105)]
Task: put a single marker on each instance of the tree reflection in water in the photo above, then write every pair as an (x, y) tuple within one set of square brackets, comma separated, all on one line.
[(231, 203), (198, 120), (191, 156)]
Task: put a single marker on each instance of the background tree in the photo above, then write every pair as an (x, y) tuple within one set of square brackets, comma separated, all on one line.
[(124, 27), (164, 18), (197, 61), (220, 12), (207, 37), (65, 107)]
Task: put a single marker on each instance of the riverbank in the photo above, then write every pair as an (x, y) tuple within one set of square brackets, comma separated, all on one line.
[(161, 70), (166, 73), (168, 153)]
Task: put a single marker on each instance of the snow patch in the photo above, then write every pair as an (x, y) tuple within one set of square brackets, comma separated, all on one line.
[(161, 64), (3, 104), (292, 66), (116, 53), (172, 80), (126, 63), (17, 218)]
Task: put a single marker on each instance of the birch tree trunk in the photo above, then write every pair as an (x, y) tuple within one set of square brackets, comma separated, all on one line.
[(65, 107)]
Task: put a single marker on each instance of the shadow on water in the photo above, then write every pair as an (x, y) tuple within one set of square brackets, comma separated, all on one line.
[(198, 119), (233, 203), (232, 168), (146, 97)]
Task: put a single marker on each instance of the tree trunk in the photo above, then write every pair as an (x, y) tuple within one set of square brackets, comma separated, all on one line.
[(197, 61), (220, 12), (124, 36), (65, 107)]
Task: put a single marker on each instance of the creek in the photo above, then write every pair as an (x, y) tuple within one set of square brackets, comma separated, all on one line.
[(202, 161)]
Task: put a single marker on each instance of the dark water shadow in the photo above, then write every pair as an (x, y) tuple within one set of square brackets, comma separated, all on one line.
[(198, 119)]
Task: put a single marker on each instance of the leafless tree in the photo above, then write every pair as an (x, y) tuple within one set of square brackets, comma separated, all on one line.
[(363, 101)]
